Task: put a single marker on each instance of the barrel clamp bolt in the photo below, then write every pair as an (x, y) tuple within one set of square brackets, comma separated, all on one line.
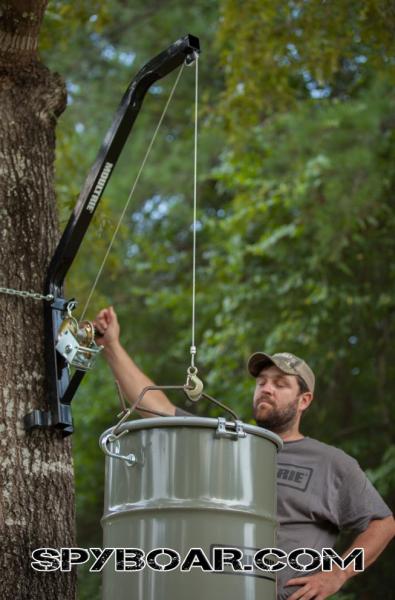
[(230, 429)]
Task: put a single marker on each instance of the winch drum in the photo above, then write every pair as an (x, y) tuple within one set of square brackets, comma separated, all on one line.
[(189, 482)]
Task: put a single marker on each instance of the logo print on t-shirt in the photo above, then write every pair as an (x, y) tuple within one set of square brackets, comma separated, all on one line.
[(294, 476)]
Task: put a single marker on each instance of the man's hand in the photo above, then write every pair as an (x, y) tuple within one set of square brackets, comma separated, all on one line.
[(107, 327), (318, 586)]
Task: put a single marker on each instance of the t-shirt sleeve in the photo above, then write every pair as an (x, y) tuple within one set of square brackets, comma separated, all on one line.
[(357, 501), (182, 413)]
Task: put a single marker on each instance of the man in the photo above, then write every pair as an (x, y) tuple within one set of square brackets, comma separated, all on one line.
[(321, 490)]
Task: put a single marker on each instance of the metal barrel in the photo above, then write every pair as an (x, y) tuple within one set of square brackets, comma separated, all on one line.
[(193, 486)]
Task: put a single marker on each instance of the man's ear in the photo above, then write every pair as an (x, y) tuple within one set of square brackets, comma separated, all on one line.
[(305, 401)]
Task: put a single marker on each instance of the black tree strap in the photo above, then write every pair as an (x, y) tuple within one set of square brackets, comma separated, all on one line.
[(61, 388)]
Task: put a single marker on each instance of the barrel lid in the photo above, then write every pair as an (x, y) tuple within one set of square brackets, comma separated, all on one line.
[(206, 422)]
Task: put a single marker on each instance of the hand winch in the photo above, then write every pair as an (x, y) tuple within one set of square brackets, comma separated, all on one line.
[(76, 341)]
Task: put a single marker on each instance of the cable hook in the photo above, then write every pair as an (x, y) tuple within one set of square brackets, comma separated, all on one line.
[(194, 386)]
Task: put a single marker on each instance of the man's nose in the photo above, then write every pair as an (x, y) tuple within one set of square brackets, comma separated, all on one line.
[(267, 387)]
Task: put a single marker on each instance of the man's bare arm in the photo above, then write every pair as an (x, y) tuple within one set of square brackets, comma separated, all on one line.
[(373, 540), (130, 378), (322, 585)]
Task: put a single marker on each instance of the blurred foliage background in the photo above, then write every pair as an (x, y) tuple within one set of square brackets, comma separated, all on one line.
[(295, 220)]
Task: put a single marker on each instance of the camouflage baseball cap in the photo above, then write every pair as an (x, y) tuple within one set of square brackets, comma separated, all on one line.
[(286, 362)]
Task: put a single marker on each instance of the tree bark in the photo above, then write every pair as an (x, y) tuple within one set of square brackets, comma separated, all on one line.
[(36, 475)]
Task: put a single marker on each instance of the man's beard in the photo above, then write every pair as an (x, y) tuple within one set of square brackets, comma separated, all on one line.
[(279, 420)]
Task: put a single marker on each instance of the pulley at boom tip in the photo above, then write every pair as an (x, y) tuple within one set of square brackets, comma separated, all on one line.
[(192, 50)]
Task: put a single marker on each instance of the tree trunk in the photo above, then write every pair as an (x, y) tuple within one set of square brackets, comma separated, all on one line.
[(36, 475)]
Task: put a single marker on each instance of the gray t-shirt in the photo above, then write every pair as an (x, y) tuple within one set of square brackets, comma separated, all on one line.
[(321, 490)]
